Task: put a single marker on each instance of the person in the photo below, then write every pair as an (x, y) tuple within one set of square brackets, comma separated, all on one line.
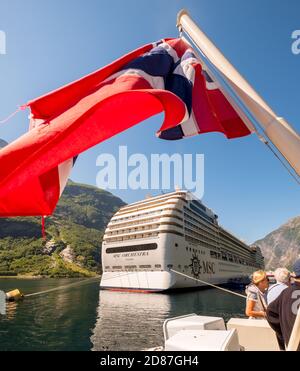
[(256, 295), (282, 312), (282, 276)]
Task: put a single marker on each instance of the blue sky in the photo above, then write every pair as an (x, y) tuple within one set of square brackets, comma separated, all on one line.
[(50, 43)]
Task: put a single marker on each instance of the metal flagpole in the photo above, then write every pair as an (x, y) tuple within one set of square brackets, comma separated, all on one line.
[(284, 138), (228, 96), (281, 134)]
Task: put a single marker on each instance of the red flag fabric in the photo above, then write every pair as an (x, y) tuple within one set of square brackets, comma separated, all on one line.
[(160, 77)]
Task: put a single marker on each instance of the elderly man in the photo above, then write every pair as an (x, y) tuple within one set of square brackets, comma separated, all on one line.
[(281, 313), (282, 276)]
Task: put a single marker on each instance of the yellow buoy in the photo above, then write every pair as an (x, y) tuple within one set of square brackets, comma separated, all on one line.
[(14, 295)]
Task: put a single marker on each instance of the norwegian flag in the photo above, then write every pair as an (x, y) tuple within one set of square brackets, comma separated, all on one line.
[(161, 77), (207, 109)]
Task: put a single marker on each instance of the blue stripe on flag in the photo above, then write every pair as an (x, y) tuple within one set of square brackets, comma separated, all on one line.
[(156, 63), (182, 87), (172, 134)]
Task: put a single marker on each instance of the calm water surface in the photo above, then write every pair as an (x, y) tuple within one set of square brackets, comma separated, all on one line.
[(85, 318)]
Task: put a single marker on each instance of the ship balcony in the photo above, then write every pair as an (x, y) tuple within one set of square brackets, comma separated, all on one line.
[(130, 225), (195, 232), (142, 225), (143, 214), (129, 233), (129, 219), (173, 213), (124, 235)]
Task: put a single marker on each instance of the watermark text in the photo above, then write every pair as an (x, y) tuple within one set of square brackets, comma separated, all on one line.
[(2, 43), (296, 43), (154, 172), (296, 303)]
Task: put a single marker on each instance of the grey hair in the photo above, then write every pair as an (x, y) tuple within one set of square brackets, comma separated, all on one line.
[(282, 275)]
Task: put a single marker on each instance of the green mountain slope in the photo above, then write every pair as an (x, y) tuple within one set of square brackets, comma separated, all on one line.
[(74, 236), (282, 247)]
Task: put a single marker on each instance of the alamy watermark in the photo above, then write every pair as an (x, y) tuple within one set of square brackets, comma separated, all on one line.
[(155, 172), (2, 43), (296, 43), (296, 303), (2, 303)]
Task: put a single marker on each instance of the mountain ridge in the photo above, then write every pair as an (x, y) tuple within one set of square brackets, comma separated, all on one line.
[(75, 231), (74, 236), (281, 247)]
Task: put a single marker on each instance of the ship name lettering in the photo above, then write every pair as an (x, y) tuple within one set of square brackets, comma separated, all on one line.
[(125, 255), (208, 268)]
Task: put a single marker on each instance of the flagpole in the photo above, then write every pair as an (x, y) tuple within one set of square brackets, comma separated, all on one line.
[(224, 91), (280, 133)]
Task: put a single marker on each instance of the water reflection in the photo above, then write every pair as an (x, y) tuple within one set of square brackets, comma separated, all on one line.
[(129, 321), (61, 320), (133, 321), (11, 308), (81, 318)]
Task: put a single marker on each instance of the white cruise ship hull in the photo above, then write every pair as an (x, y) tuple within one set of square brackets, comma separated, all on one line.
[(147, 281), (169, 242), (138, 281)]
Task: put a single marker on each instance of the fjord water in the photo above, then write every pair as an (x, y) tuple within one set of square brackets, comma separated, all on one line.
[(84, 318)]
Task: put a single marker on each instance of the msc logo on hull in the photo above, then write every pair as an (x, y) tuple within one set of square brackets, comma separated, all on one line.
[(201, 267)]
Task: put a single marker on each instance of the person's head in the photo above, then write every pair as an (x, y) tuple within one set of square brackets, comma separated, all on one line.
[(296, 268), (260, 279), (282, 275)]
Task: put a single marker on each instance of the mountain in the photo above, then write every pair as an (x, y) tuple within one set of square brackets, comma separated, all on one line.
[(74, 236), (282, 247)]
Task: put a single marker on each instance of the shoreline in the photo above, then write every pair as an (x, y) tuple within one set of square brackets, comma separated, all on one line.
[(19, 277)]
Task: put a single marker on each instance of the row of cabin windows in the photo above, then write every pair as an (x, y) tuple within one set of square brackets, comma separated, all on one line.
[(194, 206), (122, 225), (152, 204), (144, 266), (132, 237), (229, 243), (196, 224), (196, 241), (201, 238), (213, 238), (179, 266), (137, 216), (130, 230), (198, 204), (232, 241), (199, 244), (202, 213), (197, 218), (232, 246), (220, 255), (144, 214), (190, 249), (128, 267), (231, 258)]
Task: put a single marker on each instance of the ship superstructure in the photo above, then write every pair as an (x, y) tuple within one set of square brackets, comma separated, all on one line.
[(147, 241)]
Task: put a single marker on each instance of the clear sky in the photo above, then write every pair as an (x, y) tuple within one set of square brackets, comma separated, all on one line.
[(50, 43)]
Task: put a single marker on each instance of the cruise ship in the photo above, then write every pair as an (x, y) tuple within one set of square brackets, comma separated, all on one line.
[(172, 241)]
